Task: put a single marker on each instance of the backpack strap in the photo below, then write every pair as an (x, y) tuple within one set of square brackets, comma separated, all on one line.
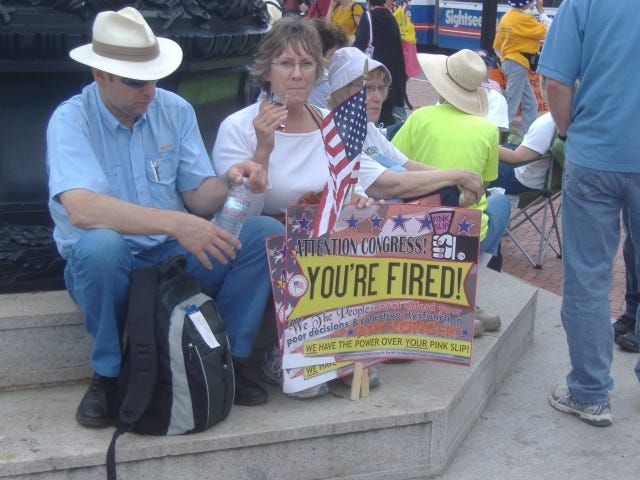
[(353, 15), (142, 348), (142, 345), (370, 29)]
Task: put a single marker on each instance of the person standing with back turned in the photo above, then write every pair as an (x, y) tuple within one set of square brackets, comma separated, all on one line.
[(518, 36), (129, 184), (598, 120)]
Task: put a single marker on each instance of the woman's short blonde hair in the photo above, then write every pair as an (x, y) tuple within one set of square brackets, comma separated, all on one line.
[(289, 30)]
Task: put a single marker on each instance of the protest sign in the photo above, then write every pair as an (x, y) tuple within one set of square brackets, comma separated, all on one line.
[(390, 281)]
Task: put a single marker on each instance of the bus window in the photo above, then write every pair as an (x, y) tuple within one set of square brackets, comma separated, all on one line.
[(545, 3)]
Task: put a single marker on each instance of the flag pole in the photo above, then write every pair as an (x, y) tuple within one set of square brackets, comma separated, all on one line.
[(360, 383)]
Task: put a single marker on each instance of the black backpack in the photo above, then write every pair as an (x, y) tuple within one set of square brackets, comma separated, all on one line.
[(177, 373)]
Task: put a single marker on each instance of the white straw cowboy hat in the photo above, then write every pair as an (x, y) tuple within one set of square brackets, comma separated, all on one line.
[(458, 79), (123, 44)]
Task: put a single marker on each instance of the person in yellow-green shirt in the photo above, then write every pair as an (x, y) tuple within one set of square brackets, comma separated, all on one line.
[(517, 38), (455, 134), (345, 14)]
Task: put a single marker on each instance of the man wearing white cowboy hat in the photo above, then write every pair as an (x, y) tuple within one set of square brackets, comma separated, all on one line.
[(130, 184), (456, 134)]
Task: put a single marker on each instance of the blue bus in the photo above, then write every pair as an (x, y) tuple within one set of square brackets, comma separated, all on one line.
[(455, 24)]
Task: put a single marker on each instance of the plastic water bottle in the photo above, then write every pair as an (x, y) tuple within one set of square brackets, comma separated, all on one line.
[(231, 217)]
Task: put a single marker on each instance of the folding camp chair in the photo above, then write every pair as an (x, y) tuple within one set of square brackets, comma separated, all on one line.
[(540, 209)]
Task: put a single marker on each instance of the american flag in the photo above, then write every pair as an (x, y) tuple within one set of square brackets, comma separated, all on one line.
[(343, 131)]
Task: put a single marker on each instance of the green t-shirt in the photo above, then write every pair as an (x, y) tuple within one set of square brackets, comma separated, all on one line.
[(443, 136)]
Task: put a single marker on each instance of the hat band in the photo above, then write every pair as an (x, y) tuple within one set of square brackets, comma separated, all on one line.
[(127, 54), (446, 65)]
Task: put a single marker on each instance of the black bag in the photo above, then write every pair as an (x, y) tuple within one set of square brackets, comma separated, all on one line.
[(177, 372), (533, 58)]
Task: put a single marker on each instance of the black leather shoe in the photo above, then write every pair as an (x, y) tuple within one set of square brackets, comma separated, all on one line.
[(248, 392), (623, 324), (92, 411), (628, 342)]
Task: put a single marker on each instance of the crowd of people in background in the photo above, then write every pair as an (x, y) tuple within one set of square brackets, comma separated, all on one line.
[(119, 214)]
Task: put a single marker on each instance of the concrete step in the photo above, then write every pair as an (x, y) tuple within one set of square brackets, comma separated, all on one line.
[(42, 340), (410, 427)]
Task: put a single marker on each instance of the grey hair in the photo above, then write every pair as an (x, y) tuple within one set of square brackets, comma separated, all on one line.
[(289, 30)]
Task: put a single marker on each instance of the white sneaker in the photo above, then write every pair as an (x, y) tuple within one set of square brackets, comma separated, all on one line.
[(596, 415), (478, 328), (311, 392), (271, 372), (490, 321)]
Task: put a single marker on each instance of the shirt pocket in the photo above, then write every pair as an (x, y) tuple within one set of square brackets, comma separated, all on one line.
[(162, 169)]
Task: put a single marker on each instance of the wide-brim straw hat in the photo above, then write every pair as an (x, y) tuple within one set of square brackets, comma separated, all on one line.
[(458, 79), (123, 44), (347, 65)]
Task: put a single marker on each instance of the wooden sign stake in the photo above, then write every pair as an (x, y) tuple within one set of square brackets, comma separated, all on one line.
[(360, 384)]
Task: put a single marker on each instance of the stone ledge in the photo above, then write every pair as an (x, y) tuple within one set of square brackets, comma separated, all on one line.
[(410, 427)]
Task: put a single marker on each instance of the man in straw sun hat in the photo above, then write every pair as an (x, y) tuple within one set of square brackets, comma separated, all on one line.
[(455, 134), (131, 184)]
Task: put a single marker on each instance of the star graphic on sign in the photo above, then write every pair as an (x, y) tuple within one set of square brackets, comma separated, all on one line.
[(282, 253), (465, 332), (399, 221), (425, 222), (463, 226), (304, 223), (350, 333), (376, 222), (352, 223)]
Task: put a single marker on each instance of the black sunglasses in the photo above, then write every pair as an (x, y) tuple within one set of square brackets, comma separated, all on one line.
[(130, 82)]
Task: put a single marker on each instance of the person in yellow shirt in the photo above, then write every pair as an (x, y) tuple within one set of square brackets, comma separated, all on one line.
[(517, 38), (346, 15)]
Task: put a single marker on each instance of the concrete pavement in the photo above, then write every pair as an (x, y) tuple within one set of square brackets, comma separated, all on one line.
[(520, 436)]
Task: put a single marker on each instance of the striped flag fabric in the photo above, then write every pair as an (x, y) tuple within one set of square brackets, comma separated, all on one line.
[(343, 132)]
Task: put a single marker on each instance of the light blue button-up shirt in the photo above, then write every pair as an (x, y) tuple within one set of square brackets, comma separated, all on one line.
[(150, 164), (597, 42)]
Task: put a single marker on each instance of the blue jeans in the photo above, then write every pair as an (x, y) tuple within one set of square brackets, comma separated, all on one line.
[(499, 212), (519, 92), (631, 295), (507, 180), (591, 204), (98, 277)]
